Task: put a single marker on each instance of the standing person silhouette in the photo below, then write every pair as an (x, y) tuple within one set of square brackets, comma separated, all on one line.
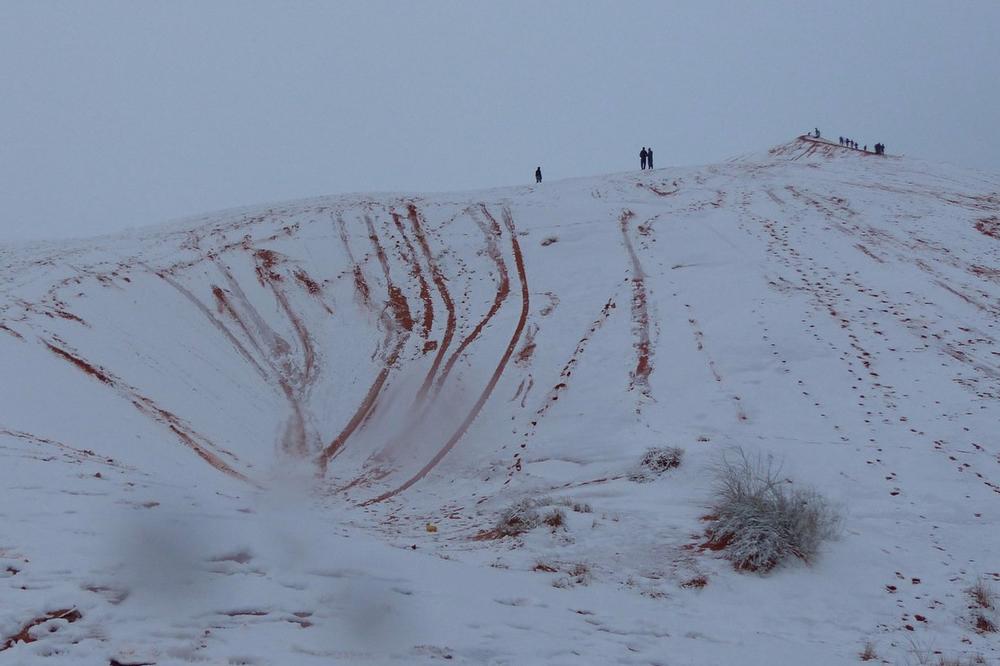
[(649, 158), (538, 175), (642, 158)]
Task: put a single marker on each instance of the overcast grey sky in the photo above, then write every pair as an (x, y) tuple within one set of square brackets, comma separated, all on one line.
[(127, 113)]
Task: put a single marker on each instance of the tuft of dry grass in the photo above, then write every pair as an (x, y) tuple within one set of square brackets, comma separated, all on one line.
[(655, 462), (555, 518), (517, 519), (983, 601), (578, 574), (983, 595), (868, 652), (695, 583)]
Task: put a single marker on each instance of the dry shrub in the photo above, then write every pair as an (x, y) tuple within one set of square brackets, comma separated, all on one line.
[(868, 652), (526, 514), (555, 518), (983, 595), (578, 574), (655, 462), (759, 519), (983, 600), (520, 517)]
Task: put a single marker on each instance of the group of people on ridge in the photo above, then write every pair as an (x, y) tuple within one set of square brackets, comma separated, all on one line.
[(646, 154), (850, 143), (646, 158)]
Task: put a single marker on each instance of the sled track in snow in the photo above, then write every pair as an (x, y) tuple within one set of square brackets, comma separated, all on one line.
[(184, 432), (491, 384), (640, 313)]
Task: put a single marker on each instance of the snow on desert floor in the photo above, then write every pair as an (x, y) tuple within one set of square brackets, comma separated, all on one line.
[(284, 435)]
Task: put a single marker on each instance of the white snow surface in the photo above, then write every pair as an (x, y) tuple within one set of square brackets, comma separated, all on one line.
[(223, 440)]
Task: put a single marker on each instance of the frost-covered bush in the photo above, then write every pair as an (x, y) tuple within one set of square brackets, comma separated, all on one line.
[(759, 518), (555, 518), (655, 462), (518, 518), (527, 513)]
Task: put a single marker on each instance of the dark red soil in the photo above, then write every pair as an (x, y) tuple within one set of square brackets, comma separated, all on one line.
[(23, 636), (410, 257), (311, 285), (640, 312), (91, 370), (697, 582), (989, 226)]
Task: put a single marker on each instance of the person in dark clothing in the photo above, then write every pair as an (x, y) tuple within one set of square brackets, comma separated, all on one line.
[(649, 158), (841, 140), (866, 147), (642, 158), (816, 130), (538, 175)]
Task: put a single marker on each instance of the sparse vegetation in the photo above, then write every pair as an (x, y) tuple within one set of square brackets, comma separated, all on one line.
[(555, 518), (974, 660), (526, 514), (520, 517), (983, 595), (578, 574), (759, 518), (695, 583), (983, 600), (655, 462), (868, 652)]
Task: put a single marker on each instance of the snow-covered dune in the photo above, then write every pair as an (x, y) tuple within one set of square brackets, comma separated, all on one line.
[(284, 435)]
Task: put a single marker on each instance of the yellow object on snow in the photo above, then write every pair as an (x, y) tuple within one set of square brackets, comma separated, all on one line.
[(431, 527)]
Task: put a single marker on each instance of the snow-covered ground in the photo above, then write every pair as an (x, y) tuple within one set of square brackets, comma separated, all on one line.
[(284, 435)]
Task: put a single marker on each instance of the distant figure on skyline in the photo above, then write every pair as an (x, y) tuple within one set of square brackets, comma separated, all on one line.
[(841, 140), (643, 155), (649, 158), (866, 147), (816, 130), (538, 175)]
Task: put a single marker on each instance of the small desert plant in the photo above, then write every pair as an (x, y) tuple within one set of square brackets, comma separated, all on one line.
[(984, 606), (526, 514), (759, 518), (578, 574), (974, 660), (655, 462), (983, 595), (519, 518), (868, 652), (555, 518)]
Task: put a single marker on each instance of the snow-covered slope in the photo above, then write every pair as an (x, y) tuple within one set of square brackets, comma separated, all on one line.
[(224, 440)]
